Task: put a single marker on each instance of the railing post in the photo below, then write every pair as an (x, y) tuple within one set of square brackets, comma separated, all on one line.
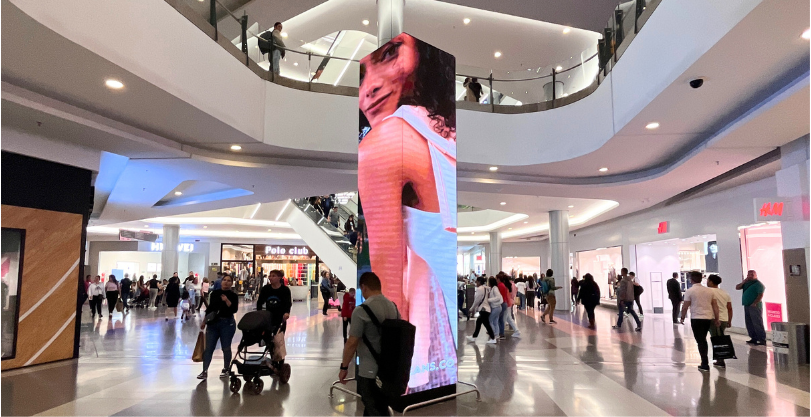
[(640, 7), (490, 80), (243, 23), (554, 88), (212, 17)]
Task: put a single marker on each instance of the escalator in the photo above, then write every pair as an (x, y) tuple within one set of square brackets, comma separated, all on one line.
[(326, 240)]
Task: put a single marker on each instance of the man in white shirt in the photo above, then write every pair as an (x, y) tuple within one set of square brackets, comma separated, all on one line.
[(700, 300), (724, 302), (522, 293)]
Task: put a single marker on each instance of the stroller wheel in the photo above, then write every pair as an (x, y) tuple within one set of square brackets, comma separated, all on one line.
[(236, 384), (284, 373), (258, 386), (248, 386)]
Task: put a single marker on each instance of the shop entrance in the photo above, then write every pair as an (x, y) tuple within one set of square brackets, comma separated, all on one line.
[(604, 264), (762, 251), (526, 265)]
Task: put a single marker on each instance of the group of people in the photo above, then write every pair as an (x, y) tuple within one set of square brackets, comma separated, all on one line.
[(327, 207), (473, 89), (493, 301)]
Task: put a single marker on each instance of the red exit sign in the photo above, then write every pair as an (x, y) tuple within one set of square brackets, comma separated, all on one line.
[(664, 227)]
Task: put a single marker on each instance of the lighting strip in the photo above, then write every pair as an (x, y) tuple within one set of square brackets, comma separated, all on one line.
[(208, 221), (348, 62), (105, 230), (283, 209), (255, 210), (495, 225)]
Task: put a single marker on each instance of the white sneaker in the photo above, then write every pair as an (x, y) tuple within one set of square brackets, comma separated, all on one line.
[(516, 334), (470, 339), (492, 341)]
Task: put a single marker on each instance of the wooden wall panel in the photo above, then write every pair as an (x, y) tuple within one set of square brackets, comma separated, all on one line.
[(50, 264)]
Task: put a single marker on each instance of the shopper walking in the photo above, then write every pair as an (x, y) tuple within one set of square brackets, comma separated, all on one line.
[(548, 283), (588, 294), (531, 284), (154, 287), (625, 301), (172, 296), (505, 296), (704, 313), (674, 294), (326, 292), (507, 312), (221, 326), (482, 306), (203, 294), (334, 218), (347, 308), (638, 290), (189, 287), (112, 289), (96, 293), (521, 286), (753, 291), (495, 299), (575, 287), (724, 302), (277, 51), (126, 292)]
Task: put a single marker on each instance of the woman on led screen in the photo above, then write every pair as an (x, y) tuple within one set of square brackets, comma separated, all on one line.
[(407, 182)]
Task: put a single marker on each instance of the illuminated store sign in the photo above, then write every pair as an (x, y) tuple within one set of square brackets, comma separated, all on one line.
[(664, 227), (287, 250), (777, 209), (183, 247)]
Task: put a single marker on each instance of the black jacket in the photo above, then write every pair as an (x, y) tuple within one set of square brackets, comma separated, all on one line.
[(588, 295), (276, 300), (674, 290)]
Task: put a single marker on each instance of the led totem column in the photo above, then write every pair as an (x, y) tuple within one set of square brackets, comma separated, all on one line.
[(407, 184)]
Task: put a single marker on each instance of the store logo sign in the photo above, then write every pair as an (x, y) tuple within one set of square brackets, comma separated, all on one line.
[(183, 247), (780, 209), (291, 250), (771, 209), (664, 227)]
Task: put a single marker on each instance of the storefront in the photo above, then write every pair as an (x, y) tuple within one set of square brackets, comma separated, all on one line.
[(144, 258), (604, 264), (762, 251), (299, 263), (516, 265)]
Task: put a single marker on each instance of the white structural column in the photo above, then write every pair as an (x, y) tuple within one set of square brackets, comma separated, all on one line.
[(389, 20), (169, 258), (559, 256), (495, 254)]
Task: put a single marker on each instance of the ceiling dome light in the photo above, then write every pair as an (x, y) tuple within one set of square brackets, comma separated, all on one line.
[(497, 54), (652, 125), (114, 84), (295, 64), (205, 227), (571, 206), (526, 222), (806, 35), (146, 226), (365, 22), (236, 148), (558, 68), (178, 193), (503, 203), (603, 169), (567, 30), (493, 169), (466, 20), (268, 230)]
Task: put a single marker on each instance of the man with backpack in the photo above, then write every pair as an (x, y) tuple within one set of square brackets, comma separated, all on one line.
[(366, 338)]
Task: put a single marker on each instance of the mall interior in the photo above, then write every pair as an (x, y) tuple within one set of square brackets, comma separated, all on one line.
[(152, 137)]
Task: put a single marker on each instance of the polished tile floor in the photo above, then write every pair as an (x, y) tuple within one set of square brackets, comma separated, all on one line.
[(139, 364)]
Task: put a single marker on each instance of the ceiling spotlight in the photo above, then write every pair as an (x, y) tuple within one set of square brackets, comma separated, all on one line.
[(571, 206), (497, 54), (603, 169), (268, 230), (567, 30), (205, 227), (652, 125), (510, 228), (114, 84), (178, 193), (236, 148), (146, 226), (558, 68), (503, 203), (465, 20), (365, 22), (493, 169), (295, 64), (284, 34), (526, 222), (806, 35)]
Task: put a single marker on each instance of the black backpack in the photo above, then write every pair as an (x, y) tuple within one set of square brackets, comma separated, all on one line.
[(397, 347), (264, 42)]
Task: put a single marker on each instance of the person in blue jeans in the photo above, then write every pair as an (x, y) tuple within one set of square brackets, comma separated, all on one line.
[(753, 291), (625, 301), (223, 303), (495, 301)]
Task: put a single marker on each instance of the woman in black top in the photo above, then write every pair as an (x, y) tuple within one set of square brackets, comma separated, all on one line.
[(172, 294), (221, 325), (589, 295)]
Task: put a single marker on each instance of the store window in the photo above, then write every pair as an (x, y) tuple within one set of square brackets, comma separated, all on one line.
[(526, 265), (297, 262), (762, 251), (603, 264)]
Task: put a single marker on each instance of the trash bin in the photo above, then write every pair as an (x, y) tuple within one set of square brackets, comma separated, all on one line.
[(790, 342)]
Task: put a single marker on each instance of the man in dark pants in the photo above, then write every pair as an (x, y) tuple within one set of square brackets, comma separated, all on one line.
[(752, 296), (674, 294), (375, 403), (326, 292), (700, 300)]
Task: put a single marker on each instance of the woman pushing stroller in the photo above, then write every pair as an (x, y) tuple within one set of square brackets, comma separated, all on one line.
[(276, 298)]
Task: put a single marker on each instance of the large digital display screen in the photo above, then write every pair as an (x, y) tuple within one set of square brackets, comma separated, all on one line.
[(407, 184)]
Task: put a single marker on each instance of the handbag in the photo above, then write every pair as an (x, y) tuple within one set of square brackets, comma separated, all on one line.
[(119, 306), (722, 347), (212, 317), (199, 348), (517, 300)]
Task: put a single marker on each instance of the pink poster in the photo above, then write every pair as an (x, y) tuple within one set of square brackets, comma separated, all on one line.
[(774, 314)]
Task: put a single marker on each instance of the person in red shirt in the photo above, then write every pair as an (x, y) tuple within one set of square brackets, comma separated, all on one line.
[(348, 307)]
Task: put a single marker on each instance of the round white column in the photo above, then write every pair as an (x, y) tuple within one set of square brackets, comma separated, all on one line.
[(389, 20), (169, 257), (495, 254), (559, 256)]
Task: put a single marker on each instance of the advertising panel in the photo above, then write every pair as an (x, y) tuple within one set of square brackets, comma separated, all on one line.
[(407, 185)]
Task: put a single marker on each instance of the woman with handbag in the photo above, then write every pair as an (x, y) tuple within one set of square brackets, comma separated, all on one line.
[(481, 305), (589, 295), (219, 318), (96, 293), (112, 289)]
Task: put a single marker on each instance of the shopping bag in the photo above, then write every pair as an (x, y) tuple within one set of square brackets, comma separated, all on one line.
[(119, 306), (199, 348), (517, 301), (279, 349), (722, 348)]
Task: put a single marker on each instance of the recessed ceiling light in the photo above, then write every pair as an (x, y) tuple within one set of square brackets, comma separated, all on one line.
[(205, 227), (806, 35), (146, 226), (284, 34), (526, 222), (497, 54), (236, 148), (295, 64), (493, 168), (465, 20), (503, 203), (178, 193), (472, 233), (603, 169), (558, 68), (365, 22), (510, 228), (114, 84), (652, 125), (567, 30), (571, 206), (268, 230)]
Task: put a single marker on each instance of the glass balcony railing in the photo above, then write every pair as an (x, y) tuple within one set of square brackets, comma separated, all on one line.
[(337, 235), (332, 61)]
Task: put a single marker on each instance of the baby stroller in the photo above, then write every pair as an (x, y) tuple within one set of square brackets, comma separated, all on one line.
[(141, 300), (257, 329)]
